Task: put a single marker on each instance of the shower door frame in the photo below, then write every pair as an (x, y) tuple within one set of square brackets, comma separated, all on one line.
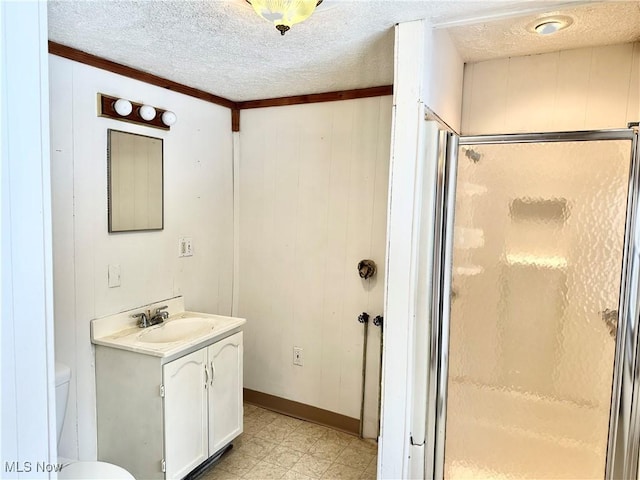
[(624, 420)]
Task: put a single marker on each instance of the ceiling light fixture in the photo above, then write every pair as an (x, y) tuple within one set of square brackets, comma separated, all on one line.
[(284, 13), (132, 112), (550, 25)]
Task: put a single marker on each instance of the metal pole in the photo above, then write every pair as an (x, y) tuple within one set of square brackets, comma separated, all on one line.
[(378, 322), (363, 318)]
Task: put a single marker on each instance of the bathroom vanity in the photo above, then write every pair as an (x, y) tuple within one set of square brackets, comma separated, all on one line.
[(169, 397)]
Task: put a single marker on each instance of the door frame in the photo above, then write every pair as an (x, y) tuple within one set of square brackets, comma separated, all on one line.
[(624, 421)]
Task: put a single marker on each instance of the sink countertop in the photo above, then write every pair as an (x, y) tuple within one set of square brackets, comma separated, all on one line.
[(120, 331)]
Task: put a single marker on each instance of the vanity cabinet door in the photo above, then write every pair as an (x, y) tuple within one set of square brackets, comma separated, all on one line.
[(185, 414), (225, 391)]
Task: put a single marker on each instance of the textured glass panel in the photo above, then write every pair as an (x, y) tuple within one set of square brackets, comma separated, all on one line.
[(538, 240)]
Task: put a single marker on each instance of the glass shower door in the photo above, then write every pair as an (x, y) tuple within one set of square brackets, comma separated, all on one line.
[(537, 262)]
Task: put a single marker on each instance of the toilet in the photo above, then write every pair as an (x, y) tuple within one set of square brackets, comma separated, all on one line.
[(72, 469)]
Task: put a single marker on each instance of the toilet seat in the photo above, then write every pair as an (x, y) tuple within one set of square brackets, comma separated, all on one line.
[(93, 471)]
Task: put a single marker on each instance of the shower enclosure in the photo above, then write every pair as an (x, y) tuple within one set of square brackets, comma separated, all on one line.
[(535, 307)]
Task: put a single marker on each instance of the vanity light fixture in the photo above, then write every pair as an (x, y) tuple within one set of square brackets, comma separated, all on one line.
[(122, 107), (132, 112), (550, 25), (147, 112), (169, 118), (284, 13)]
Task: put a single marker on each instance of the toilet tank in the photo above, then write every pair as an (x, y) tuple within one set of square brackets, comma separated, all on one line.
[(63, 374)]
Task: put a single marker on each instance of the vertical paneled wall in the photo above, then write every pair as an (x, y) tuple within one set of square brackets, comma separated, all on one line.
[(27, 386), (198, 203), (582, 89), (313, 183)]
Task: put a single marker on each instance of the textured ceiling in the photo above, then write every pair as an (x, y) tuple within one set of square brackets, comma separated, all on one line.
[(593, 24), (224, 48)]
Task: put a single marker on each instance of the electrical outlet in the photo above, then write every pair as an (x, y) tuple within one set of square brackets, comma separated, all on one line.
[(185, 247), (297, 356)]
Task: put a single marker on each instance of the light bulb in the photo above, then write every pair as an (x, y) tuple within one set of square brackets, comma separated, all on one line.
[(147, 112), (169, 118), (547, 28), (122, 107)]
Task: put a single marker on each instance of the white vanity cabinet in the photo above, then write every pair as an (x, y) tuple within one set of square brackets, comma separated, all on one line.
[(185, 413), (161, 417), (202, 404), (225, 393)]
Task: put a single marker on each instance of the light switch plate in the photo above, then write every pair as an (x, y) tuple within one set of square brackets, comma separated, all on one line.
[(297, 356), (114, 275)]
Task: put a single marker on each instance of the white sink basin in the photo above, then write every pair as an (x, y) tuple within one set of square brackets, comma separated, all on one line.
[(178, 330), (180, 334)]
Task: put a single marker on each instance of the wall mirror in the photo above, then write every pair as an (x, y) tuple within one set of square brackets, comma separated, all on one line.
[(135, 182)]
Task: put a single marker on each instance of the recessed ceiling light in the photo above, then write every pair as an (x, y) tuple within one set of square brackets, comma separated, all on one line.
[(549, 25)]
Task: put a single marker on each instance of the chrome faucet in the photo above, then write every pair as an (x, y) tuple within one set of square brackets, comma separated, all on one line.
[(160, 316), (143, 319)]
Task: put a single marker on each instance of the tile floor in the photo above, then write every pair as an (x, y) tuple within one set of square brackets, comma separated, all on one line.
[(277, 446)]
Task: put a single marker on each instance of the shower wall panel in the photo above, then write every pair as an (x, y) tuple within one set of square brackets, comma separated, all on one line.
[(582, 89)]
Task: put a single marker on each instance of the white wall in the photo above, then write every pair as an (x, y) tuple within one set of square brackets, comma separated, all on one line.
[(442, 77), (582, 89), (408, 114), (313, 183), (428, 72), (27, 392), (198, 203)]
